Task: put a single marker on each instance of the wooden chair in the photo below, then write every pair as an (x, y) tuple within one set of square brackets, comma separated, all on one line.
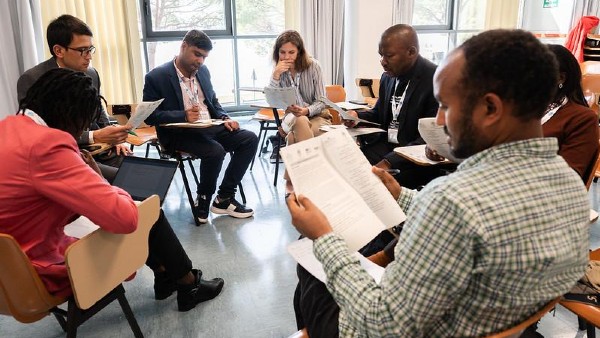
[(588, 316), (592, 171), (590, 83), (97, 265), (369, 89), (516, 331), (335, 93), (145, 134), (513, 332), (183, 158)]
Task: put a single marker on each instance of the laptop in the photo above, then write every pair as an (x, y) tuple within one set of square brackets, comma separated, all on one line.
[(143, 177)]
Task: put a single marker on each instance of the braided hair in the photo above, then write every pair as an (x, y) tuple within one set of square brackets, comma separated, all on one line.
[(65, 100)]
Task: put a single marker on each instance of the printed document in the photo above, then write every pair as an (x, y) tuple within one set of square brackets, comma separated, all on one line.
[(280, 97), (343, 114), (334, 174), (436, 138), (143, 110), (354, 132), (302, 251)]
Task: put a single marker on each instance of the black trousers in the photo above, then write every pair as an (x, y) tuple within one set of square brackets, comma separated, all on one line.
[(315, 308), (164, 249), (211, 145)]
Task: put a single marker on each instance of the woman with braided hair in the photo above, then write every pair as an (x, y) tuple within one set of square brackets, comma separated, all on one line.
[(46, 183)]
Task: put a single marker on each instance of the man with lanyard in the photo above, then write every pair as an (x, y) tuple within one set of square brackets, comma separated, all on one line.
[(185, 85), (405, 96)]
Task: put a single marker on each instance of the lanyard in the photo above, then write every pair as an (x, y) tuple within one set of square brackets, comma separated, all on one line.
[(553, 111), (191, 94), (398, 101), (295, 82)]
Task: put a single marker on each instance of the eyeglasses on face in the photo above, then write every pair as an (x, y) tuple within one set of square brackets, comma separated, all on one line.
[(84, 51)]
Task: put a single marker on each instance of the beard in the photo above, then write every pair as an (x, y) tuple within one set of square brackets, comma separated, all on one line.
[(468, 142)]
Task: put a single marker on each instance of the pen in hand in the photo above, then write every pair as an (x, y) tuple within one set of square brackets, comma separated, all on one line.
[(131, 132), (392, 171)]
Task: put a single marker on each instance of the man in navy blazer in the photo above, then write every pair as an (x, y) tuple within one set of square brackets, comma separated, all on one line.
[(406, 85), (185, 85)]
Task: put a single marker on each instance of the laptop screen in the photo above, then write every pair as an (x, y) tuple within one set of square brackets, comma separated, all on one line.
[(143, 177)]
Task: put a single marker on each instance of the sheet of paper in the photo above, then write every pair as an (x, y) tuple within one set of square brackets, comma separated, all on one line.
[(436, 138), (143, 110), (416, 154), (80, 227), (302, 252), (197, 124), (343, 114), (332, 171), (354, 132), (280, 97), (348, 160), (351, 106)]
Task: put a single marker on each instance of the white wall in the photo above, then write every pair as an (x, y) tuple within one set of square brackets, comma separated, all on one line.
[(536, 18), (364, 22)]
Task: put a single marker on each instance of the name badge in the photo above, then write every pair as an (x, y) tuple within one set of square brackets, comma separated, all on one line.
[(393, 132)]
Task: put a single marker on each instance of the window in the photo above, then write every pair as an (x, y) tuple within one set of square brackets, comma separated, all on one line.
[(243, 34), (444, 24)]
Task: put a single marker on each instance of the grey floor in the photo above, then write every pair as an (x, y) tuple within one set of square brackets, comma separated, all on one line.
[(251, 256)]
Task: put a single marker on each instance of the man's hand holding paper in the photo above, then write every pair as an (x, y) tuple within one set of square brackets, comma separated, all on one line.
[(308, 219)]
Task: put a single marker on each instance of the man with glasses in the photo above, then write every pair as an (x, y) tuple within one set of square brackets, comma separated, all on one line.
[(70, 43)]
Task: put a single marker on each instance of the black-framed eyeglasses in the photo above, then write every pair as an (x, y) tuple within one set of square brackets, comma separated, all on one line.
[(84, 51)]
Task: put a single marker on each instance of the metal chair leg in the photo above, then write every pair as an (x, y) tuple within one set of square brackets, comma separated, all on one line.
[(262, 136), (188, 190), (137, 332)]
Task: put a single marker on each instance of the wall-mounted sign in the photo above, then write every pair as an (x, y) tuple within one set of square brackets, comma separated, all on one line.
[(550, 3)]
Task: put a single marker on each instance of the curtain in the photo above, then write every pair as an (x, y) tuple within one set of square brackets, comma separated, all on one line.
[(402, 11), (118, 57), (502, 14), (322, 28), (21, 41)]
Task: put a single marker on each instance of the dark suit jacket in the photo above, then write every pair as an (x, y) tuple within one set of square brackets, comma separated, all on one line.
[(162, 82), (29, 77), (419, 102)]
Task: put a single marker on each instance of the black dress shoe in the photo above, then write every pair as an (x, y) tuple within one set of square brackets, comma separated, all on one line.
[(164, 285), (188, 296)]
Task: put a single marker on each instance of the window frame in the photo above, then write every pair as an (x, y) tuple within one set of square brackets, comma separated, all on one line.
[(451, 9), (151, 34)]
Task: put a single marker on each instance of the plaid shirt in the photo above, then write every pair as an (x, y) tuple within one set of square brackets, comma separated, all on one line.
[(481, 250)]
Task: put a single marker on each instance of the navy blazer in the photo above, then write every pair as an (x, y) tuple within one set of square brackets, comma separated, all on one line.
[(419, 102), (162, 82)]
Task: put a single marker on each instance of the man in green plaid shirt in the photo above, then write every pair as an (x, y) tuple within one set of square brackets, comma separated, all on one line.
[(485, 247)]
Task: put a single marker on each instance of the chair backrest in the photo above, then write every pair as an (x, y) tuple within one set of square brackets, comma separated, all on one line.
[(335, 93), (516, 331), (590, 171), (590, 83), (101, 261), (266, 114), (22, 293), (368, 87)]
